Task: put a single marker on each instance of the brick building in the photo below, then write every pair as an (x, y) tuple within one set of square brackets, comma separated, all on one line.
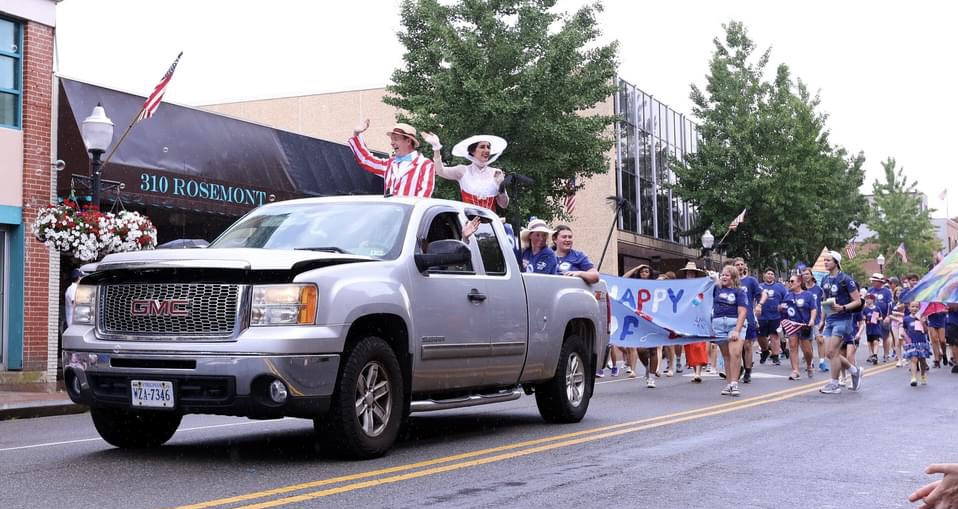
[(29, 283)]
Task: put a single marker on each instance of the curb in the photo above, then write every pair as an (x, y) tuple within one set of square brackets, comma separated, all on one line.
[(39, 409)]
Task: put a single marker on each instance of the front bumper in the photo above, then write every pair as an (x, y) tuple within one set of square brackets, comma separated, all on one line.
[(213, 384)]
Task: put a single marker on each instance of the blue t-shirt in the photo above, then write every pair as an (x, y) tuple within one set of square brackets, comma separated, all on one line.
[(726, 301), (883, 299), (774, 293), (798, 306), (542, 263), (839, 287), (914, 329), (753, 293), (873, 318), (816, 292), (573, 260)]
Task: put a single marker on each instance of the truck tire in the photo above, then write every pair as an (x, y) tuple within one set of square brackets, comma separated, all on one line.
[(367, 406), (565, 398), (130, 429)]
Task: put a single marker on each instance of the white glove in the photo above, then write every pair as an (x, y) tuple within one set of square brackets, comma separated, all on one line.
[(361, 127), (432, 140)]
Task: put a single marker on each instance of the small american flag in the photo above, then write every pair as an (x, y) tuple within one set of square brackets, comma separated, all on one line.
[(569, 201), (153, 102), (792, 328), (901, 252), (851, 251), (739, 219), (943, 194)]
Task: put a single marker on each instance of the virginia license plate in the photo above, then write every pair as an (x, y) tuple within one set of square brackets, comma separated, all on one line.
[(151, 393)]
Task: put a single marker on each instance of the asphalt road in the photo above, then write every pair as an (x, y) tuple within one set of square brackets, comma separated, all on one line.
[(781, 445)]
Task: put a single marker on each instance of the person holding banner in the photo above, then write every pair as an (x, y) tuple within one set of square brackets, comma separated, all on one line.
[(649, 356), (696, 354), (801, 314), (729, 309), (842, 299)]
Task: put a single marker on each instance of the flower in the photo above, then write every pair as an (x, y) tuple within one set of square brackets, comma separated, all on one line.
[(88, 234)]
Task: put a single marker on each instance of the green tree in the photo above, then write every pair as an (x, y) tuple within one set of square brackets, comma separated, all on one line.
[(516, 69), (764, 146), (898, 216)]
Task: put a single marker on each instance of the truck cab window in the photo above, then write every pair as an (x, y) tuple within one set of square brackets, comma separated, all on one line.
[(445, 226), (489, 250)]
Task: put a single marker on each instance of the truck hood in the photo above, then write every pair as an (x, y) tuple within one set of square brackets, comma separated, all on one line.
[(245, 258)]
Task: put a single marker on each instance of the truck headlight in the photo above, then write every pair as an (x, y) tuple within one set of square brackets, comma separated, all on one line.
[(293, 304), (84, 307)]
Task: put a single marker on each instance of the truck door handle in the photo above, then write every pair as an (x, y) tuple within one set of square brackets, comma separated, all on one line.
[(475, 296)]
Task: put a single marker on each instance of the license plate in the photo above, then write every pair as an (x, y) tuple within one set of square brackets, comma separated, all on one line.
[(151, 393)]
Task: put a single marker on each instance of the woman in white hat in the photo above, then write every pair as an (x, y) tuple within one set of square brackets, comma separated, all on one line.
[(479, 183), (536, 255)]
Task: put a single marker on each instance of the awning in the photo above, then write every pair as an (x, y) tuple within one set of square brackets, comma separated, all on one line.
[(193, 159)]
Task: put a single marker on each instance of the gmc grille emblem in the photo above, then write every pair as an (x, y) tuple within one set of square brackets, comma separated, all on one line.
[(172, 307)]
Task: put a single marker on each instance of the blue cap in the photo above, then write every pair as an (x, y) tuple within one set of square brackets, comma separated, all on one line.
[(76, 274)]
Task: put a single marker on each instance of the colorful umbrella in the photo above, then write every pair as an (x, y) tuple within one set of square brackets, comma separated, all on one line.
[(939, 285)]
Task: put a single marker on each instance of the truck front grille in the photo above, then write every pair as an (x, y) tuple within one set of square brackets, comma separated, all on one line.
[(149, 311)]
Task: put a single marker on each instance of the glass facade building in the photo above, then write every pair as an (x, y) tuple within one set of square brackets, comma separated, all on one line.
[(649, 135)]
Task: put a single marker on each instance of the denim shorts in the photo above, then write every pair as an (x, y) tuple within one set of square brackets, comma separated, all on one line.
[(839, 328), (723, 325)]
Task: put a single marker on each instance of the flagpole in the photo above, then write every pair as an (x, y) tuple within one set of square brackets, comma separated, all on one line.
[(125, 133)]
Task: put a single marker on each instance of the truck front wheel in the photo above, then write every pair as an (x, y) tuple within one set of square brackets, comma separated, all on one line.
[(367, 405), (130, 429), (565, 398)]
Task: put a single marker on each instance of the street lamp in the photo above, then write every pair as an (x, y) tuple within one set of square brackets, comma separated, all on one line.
[(97, 133), (708, 240), (881, 263)]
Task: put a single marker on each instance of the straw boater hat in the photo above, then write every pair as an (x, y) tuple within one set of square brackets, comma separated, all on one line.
[(690, 267), (878, 276), (635, 272), (496, 146), (535, 225), (407, 131)]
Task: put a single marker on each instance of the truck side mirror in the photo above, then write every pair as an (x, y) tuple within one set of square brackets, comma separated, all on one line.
[(443, 253)]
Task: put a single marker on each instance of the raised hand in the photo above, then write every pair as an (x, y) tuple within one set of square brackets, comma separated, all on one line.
[(361, 127)]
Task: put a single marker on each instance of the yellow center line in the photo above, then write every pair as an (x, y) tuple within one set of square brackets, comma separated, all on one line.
[(563, 440)]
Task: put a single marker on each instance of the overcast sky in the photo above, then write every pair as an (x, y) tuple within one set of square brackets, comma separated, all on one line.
[(885, 70)]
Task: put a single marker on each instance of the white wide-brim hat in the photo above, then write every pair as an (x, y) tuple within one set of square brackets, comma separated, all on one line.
[(536, 225), (496, 146), (690, 267)]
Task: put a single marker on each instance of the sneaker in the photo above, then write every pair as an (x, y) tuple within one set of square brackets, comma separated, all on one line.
[(722, 375), (954, 368), (924, 379), (600, 373), (842, 381), (615, 371), (884, 359), (650, 383), (669, 373), (898, 364), (809, 371), (734, 390), (747, 379), (678, 369), (831, 387), (696, 379), (914, 382), (727, 391), (629, 371), (857, 379), (822, 365), (763, 357), (937, 364), (775, 361)]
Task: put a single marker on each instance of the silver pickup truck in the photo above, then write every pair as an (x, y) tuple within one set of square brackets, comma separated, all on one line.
[(351, 311)]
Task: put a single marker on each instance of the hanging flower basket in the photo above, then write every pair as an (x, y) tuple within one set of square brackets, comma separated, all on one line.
[(88, 234)]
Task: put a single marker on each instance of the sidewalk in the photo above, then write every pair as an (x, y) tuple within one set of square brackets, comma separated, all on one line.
[(23, 401)]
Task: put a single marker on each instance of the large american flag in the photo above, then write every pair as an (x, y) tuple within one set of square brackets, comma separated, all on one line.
[(569, 201), (153, 102), (739, 219), (850, 250)]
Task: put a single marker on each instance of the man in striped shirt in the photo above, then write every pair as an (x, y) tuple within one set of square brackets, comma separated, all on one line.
[(407, 172)]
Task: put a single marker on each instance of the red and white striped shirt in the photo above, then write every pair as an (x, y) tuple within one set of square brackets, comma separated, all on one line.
[(416, 177)]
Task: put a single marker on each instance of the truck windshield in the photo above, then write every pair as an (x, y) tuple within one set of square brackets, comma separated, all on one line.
[(367, 229)]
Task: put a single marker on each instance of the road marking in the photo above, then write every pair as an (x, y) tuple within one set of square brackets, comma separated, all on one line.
[(539, 445), (81, 440)]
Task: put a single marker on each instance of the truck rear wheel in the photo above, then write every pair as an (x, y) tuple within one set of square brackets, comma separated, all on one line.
[(367, 406), (565, 398), (129, 429)]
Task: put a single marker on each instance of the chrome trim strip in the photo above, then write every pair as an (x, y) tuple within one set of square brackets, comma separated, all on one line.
[(510, 348), (430, 405), (455, 351)]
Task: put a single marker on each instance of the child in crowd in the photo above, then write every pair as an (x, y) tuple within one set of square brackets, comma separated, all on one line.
[(873, 327), (916, 346)]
